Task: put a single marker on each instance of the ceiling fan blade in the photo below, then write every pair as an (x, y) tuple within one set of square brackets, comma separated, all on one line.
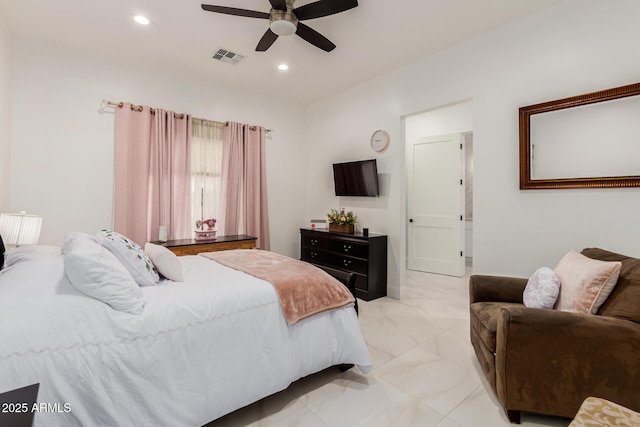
[(279, 4), (314, 37), (323, 8), (235, 11), (266, 41)]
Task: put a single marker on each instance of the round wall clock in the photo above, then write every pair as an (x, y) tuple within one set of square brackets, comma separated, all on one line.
[(380, 140)]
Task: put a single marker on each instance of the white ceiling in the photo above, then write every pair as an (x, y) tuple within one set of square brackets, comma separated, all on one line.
[(373, 38)]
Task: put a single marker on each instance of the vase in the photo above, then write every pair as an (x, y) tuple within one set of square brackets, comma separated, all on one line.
[(341, 228)]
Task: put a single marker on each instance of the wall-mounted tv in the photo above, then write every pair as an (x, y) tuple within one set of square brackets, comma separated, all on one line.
[(356, 178)]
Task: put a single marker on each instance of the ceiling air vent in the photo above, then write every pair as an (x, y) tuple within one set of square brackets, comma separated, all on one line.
[(229, 57)]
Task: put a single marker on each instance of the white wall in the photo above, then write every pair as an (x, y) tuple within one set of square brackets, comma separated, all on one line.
[(339, 129), (576, 47), (62, 158), (5, 114), (61, 149), (455, 118)]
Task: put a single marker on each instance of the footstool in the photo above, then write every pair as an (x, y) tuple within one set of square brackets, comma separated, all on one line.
[(597, 412)]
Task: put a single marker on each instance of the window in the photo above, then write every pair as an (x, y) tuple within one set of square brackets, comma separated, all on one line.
[(206, 169)]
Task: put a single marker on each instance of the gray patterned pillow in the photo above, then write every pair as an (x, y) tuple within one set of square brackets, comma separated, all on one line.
[(131, 255)]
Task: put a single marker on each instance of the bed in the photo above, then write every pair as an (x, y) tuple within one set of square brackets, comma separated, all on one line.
[(198, 349)]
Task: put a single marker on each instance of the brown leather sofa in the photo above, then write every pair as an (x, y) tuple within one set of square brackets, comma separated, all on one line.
[(549, 361)]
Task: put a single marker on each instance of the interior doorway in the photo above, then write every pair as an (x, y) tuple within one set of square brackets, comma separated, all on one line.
[(426, 128)]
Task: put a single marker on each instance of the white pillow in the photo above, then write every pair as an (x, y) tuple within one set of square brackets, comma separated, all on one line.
[(131, 256), (78, 235), (96, 272), (542, 289), (165, 261)]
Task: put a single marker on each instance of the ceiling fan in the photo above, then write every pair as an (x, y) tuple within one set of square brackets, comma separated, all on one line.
[(284, 20)]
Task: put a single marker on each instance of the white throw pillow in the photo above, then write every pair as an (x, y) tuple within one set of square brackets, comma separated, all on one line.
[(96, 272), (542, 289), (585, 283), (165, 261), (131, 256)]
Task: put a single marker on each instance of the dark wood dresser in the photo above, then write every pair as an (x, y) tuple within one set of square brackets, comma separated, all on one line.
[(366, 256), (221, 243)]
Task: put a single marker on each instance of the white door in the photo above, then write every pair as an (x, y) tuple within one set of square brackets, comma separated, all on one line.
[(436, 205)]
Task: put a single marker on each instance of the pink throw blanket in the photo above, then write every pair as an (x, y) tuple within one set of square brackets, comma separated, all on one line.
[(303, 289)]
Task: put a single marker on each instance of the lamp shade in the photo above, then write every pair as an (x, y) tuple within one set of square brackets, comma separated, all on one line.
[(20, 229)]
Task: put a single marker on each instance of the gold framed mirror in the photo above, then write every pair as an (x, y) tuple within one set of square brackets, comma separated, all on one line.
[(585, 141)]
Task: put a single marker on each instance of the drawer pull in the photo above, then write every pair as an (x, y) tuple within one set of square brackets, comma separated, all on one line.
[(347, 248), (347, 263)]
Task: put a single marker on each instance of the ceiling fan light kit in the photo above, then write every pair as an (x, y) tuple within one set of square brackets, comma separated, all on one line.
[(283, 23), (284, 20)]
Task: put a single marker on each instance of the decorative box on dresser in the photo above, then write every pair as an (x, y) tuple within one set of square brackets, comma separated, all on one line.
[(366, 256)]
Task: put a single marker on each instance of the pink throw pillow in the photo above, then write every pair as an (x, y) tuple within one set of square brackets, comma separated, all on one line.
[(165, 261), (585, 283)]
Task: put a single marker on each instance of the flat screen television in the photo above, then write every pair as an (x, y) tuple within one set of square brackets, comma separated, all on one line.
[(356, 178)]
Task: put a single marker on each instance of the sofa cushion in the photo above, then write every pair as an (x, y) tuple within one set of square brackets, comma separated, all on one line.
[(623, 301), (484, 320), (585, 283)]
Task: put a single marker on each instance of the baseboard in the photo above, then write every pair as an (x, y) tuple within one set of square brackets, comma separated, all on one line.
[(394, 291)]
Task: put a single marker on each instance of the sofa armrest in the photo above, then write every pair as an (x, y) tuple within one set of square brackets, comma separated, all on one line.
[(549, 361), (496, 288)]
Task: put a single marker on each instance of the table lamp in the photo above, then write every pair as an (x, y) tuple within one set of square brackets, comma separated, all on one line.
[(20, 228)]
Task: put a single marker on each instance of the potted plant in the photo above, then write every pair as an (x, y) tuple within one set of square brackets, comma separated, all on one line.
[(341, 222)]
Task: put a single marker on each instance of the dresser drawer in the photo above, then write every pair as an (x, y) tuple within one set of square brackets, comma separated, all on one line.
[(314, 255), (365, 256), (348, 263), (315, 242), (345, 247)]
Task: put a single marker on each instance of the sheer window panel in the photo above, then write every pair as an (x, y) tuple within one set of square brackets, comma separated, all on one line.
[(206, 167)]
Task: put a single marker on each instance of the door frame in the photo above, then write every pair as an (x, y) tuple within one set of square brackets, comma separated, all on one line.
[(453, 117)]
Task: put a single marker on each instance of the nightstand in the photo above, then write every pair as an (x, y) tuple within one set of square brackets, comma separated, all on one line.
[(17, 405), (222, 243)]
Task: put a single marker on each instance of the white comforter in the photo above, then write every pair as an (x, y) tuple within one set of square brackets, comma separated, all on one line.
[(200, 349)]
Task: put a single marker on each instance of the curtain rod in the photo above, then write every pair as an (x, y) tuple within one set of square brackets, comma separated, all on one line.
[(105, 103)]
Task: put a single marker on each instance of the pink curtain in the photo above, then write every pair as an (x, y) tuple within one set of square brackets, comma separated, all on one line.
[(244, 208), (152, 173)]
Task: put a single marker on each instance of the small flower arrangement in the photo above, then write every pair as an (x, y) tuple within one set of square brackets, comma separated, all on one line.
[(342, 217)]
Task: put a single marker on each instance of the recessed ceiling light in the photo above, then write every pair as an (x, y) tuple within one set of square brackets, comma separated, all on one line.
[(143, 20), (283, 67)]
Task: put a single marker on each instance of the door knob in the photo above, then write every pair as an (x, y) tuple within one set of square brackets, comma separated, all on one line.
[(410, 219)]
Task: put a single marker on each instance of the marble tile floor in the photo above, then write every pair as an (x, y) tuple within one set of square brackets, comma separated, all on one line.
[(425, 372)]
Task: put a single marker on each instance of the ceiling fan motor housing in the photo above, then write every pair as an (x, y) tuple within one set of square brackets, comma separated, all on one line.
[(283, 23)]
